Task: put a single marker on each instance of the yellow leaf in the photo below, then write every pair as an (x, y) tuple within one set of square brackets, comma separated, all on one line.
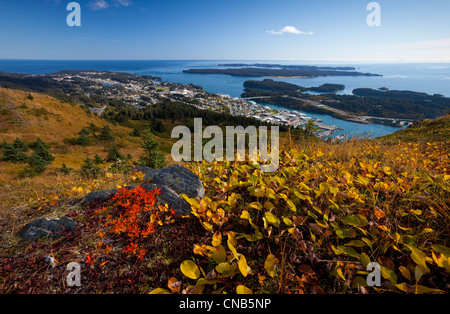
[(259, 192), (174, 285), (291, 205), (270, 264), (255, 205), (231, 242), (272, 219), (379, 213), (287, 221), (243, 290), (219, 255), (208, 226), (419, 258), (160, 291), (422, 290), (217, 239), (243, 267), (190, 269), (405, 272), (223, 267), (200, 250)]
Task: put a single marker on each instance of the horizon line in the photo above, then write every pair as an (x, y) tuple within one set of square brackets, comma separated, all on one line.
[(244, 60)]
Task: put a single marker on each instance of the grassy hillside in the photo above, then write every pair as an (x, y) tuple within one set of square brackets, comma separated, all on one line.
[(30, 116), (311, 227), (423, 131)]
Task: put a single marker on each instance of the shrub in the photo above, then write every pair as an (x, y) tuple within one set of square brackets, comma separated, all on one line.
[(15, 152), (106, 134), (114, 155), (89, 170), (152, 157)]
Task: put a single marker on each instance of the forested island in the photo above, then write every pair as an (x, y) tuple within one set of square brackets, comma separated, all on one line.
[(365, 105), (287, 67), (307, 72), (271, 85)]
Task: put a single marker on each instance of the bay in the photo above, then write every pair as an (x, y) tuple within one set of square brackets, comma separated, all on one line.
[(428, 78)]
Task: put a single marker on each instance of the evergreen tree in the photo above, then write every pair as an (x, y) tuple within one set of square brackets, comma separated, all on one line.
[(15, 152), (152, 157), (65, 170), (114, 155), (37, 165), (83, 140), (84, 131), (98, 160), (106, 134), (89, 170), (41, 149), (136, 132)]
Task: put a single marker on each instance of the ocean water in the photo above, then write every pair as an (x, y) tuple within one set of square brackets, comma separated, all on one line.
[(427, 78)]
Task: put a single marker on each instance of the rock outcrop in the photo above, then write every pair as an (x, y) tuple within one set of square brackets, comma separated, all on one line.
[(47, 228), (173, 181)]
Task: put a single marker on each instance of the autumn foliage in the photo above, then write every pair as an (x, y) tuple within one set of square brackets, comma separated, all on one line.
[(132, 215), (312, 227)]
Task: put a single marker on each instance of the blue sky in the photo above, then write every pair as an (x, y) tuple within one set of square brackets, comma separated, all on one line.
[(319, 30)]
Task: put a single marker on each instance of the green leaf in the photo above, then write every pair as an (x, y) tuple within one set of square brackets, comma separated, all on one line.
[(272, 219), (388, 274), (355, 220), (419, 258), (359, 281), (190, 269), (203, 281), (365, 259), (356, 243), (346, 250), (441, 249), (345, 233)]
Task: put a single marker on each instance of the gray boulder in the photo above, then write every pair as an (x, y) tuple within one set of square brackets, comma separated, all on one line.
[(177, 178), (170, 198), (100, 195), (47, 228)]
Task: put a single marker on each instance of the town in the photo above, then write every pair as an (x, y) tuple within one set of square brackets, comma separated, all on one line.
[(141, 91)]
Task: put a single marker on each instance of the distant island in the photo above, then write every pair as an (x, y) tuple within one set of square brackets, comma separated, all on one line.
[(278, 70), (287, 67)]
